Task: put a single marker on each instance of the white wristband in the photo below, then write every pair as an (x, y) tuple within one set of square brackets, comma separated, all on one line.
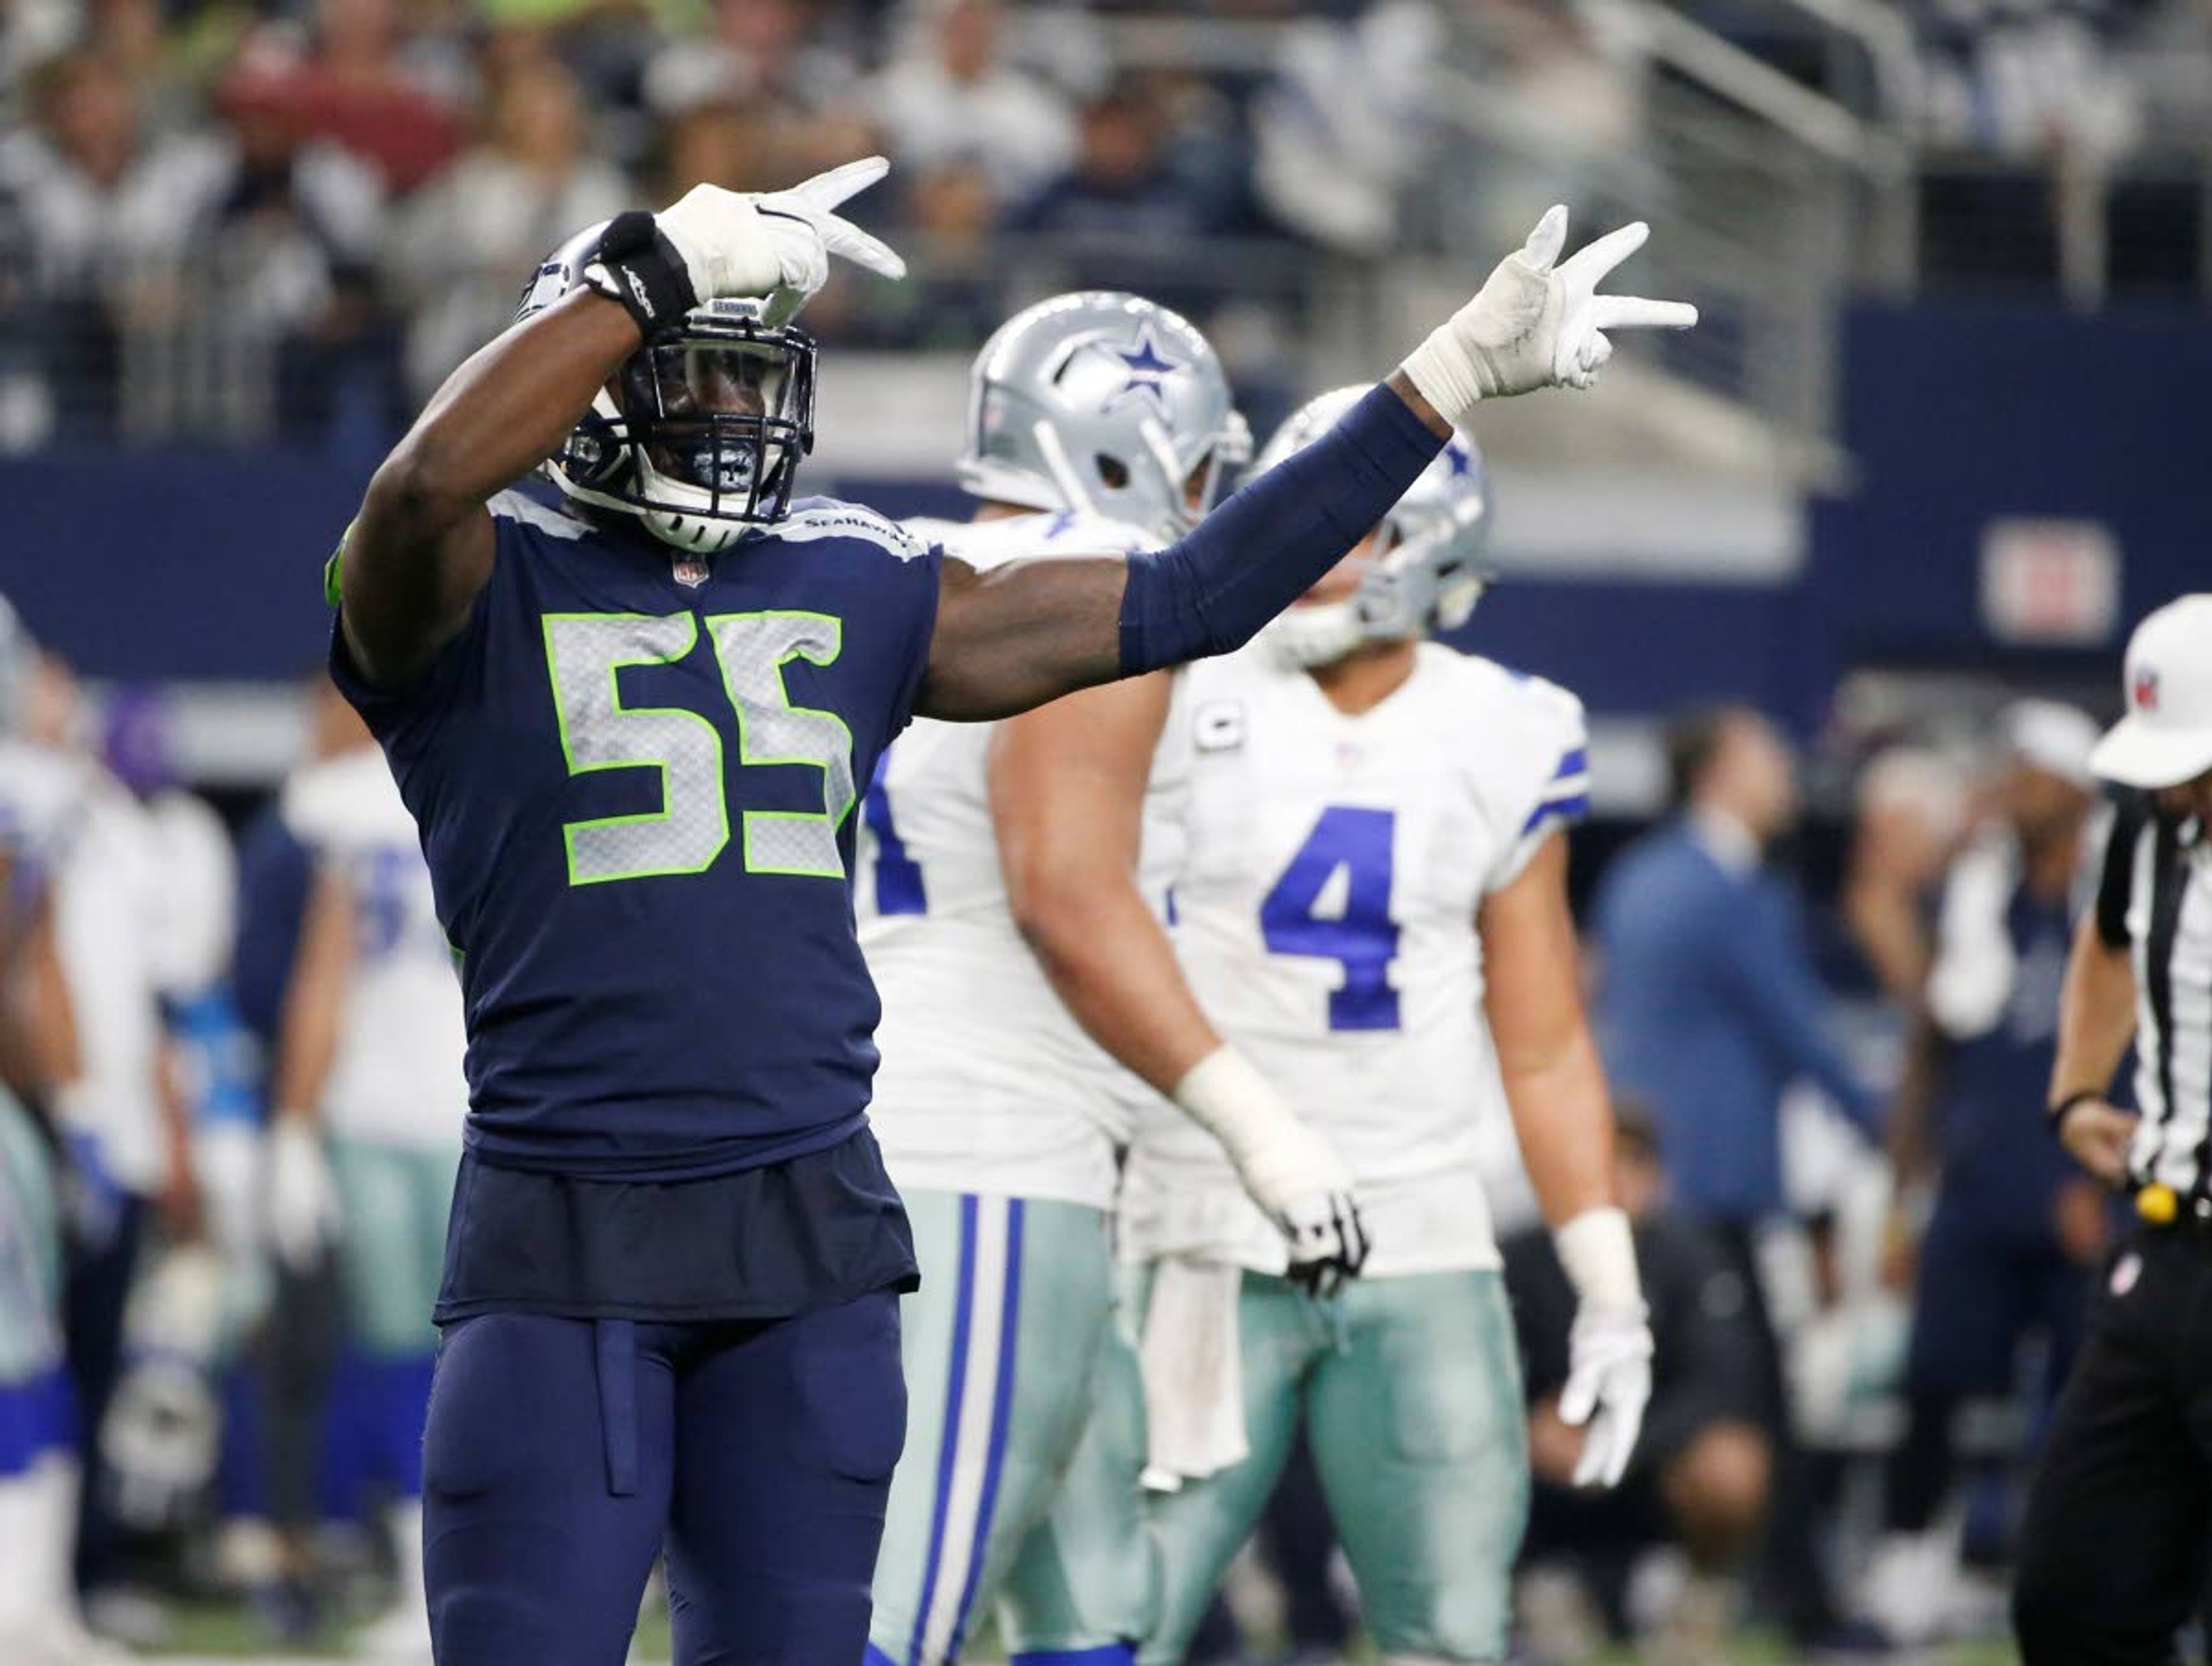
[(1446, 375), (1599, 1254)]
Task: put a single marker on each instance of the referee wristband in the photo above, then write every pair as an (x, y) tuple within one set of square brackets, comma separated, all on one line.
[(2055, 1118)]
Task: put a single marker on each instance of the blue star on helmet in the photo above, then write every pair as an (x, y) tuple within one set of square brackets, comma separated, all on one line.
[(1146, 369), (1458, 459)]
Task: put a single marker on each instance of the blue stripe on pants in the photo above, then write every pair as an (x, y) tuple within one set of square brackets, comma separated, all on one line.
[(948, 1450), (1002, 1404)]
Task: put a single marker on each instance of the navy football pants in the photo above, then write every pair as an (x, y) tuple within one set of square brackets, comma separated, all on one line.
[(561, 1452)]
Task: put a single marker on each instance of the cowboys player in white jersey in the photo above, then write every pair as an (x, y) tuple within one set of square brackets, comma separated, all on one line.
[(367, 1133), (40, 1057), (1100, 423), (1372, 902)]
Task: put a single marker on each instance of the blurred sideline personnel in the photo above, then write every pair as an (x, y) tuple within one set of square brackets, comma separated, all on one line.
[(366, 1134), (1709, 1008), (1698, 1476), (672, 1232), (2120, 1519), (143, 908), (1100, 422), (39, 1068), (276, 1424), (2013, 1225), (1372, 902)]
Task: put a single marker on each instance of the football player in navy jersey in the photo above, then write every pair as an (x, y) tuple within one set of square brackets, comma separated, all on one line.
[(629, 718)]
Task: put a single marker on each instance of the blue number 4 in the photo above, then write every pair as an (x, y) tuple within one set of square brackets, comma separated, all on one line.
[(1362, 936), (899, 889)]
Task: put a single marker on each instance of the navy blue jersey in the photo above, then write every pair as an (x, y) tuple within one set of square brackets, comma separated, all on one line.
[(635, 795)]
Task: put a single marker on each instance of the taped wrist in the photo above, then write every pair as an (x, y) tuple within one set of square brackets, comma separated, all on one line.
[(1265, 547), (1270, 1148), (1597, 1252), (1450, 374), (637, 268)]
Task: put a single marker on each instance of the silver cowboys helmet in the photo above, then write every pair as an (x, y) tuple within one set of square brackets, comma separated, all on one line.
[(1104, 402), (700, 433), (1425, 572)]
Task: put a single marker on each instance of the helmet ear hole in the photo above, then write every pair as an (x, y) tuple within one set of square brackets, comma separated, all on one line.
[(593, 451), (1111, 471)]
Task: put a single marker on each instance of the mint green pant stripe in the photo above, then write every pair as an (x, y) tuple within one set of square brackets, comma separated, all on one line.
[(1410, 1392), (394, 1200), (987, 1445), (30, 1251)]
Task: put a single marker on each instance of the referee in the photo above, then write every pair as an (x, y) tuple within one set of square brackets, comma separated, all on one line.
[(2119, 1524)]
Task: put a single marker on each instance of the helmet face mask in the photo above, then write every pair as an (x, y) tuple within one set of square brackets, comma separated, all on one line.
[(1424, 570), (700, 434), (1103, 402)]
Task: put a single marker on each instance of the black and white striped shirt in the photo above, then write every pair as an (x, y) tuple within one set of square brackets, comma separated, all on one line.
[(2155, 900)]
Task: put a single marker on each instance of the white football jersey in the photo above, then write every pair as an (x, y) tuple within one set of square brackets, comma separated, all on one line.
[(1325, 915), (398, 1076), (986, 1084), (111, 891), (42, 798)]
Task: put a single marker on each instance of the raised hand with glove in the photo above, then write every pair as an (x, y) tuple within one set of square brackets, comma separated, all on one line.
[(717, 245), (1537, 322), (1287, 1168)]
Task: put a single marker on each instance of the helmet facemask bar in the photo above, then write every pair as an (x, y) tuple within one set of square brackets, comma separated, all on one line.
[(1194, 487), (701, 433)]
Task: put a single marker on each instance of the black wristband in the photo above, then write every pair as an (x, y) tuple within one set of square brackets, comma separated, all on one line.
[(2054, 1117), (637, 268)]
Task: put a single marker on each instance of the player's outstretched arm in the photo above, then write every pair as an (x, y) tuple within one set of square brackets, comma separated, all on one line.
[(1029, 631), (421, 546), (1563, 1116), (1067, 797)]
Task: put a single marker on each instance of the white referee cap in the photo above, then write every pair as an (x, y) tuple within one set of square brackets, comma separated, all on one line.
[(2165, 738)]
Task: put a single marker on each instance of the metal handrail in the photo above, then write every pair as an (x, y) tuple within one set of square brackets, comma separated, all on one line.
[(1817, 122), (1881, 30)]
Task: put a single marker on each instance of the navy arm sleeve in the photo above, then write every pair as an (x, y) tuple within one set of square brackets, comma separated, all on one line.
[(1262, 550)]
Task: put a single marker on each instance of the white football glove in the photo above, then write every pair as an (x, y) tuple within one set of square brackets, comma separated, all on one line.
[(1609, 1348), (1536, 324), (304, 1212), (1286, 1167), (774, 245)]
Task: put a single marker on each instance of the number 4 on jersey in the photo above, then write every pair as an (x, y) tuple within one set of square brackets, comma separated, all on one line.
[(1358, 931), (899, 889)]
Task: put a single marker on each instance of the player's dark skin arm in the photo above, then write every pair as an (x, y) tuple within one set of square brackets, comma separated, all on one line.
[(1027, 631), (422, 547)]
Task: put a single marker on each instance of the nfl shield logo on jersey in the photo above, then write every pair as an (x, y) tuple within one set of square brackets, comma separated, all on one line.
[(690, 572)]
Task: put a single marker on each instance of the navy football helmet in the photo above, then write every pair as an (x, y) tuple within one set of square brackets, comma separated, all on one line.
[(700, 434)]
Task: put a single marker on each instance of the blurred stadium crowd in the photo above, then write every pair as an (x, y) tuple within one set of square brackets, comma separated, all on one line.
[(295, 218)]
